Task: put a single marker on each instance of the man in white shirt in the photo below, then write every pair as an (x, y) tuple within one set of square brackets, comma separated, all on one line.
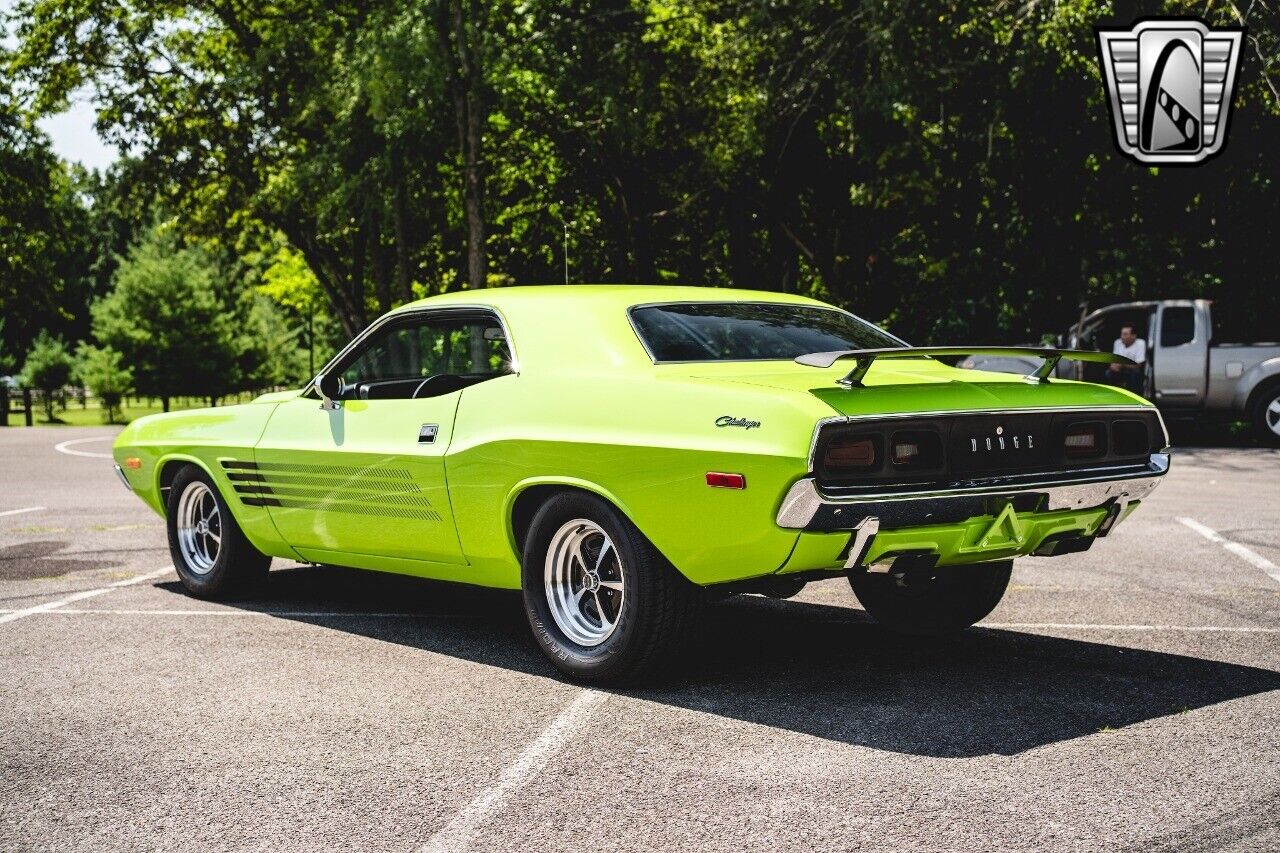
[(1133, 347)]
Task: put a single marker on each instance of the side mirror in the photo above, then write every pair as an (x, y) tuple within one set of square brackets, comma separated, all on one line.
[(330, 385)]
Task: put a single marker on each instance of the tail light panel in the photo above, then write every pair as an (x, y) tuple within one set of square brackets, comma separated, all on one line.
[(964, 447)]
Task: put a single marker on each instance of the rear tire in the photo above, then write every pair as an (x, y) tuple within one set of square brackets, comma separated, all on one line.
[(933, 601), (603, 603), (210, 552), (1266, 415)]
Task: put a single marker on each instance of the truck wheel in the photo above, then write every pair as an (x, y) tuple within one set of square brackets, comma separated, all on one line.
[(934, 601), (604, 604), (211, 554), (1266, 415)]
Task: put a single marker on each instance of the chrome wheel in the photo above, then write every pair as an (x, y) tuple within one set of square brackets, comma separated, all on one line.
[(583, 579), (1272, 416), (199, 525)]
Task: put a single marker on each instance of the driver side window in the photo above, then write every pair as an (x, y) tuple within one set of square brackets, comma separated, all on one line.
[(428, 355)]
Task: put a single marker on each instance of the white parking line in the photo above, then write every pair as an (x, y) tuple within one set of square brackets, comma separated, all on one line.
[(1066, 626), (80, 596), (458, 833), (1236, 548), (21, 511), (54, 610), (287, 614), (65, 447)]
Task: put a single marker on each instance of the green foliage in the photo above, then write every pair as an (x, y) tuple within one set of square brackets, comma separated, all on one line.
[(102, 371), (44, 250), (289, 282), (47, 369), (163, 316), (943, 167), (275, 348)]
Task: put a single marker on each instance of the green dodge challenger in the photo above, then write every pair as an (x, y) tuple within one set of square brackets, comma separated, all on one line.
[(622, 454)]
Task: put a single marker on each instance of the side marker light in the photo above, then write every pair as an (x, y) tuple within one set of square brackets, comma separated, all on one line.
[(726, 481)]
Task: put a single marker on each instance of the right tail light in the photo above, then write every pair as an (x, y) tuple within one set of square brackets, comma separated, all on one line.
[(1130, 438)]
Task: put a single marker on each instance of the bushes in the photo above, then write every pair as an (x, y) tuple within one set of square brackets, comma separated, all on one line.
[(48, 368), (102, 371)]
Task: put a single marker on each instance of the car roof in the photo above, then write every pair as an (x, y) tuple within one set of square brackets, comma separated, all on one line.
[(604, 295), (585, 326)]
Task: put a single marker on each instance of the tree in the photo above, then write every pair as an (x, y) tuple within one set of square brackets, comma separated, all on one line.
[(164, 318), (945, 167), (102, 371), (288, 283), (45, 254), (459, 25), (272, 355), (48, 369)]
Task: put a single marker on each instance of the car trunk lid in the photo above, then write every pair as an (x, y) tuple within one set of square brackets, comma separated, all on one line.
[(912, 385)]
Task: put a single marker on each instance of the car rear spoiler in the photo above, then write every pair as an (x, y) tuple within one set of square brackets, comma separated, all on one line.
[(864, 358)]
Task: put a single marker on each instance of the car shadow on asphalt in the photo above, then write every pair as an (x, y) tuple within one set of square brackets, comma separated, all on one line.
[(45, 559), (810, 668)]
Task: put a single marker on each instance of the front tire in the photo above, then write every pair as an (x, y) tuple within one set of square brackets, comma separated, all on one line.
[(933, 601), (210, 552), (1266, 416), (603, 603)]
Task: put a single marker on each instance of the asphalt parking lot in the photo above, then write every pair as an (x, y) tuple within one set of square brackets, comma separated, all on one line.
[(1124, 698)]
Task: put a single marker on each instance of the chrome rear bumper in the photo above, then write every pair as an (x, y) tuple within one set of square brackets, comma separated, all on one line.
[(807, 507)]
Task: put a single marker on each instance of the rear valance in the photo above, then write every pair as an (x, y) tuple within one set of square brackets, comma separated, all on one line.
[(864, 358)]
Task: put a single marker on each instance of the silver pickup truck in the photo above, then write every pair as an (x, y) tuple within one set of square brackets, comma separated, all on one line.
[(1194, 368)]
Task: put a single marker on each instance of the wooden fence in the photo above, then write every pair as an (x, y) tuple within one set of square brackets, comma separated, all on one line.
[(4, 406)]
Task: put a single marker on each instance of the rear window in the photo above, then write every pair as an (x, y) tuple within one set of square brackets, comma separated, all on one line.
[(750, 331)]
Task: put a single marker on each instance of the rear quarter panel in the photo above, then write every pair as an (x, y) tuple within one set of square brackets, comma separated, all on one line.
[(645, 443)]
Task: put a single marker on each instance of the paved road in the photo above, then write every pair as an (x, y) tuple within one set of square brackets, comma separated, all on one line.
[(1125, 698)]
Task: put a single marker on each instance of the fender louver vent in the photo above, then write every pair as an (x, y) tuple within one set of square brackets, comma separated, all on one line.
[(374, 491)]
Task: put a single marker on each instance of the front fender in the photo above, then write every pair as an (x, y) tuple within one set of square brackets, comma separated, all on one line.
[(202, 437)]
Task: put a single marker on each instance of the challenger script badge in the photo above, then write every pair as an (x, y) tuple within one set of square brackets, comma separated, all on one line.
[(1169, 86), (731, 421)]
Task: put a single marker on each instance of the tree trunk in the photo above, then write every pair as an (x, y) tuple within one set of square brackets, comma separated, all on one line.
[(457, 36), (164, 403), (378, 261), (399, 217), (359, 251), (743, 269), (330, 272)]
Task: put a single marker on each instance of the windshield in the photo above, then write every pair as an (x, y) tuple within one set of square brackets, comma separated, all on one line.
[(751, 331)]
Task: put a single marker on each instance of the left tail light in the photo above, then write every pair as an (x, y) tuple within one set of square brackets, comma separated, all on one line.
[(853, 454)]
